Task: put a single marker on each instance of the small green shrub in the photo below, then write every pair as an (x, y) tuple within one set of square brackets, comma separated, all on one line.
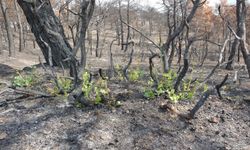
[(86, 85), (205, 87), (23, 80), (101, 91), (134, 75), (166, 87), (119, 72), (79, 105), (174, 97), (149, 94), (63, 83), (95, 91)]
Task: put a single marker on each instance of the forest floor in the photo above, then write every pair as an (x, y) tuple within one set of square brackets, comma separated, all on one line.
[(30, 122)]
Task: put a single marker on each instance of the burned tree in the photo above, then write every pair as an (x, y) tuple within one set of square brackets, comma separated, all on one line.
[(179, 29), (20, 27), (240, 36), (50, 36), (7, 24), (47, 27)]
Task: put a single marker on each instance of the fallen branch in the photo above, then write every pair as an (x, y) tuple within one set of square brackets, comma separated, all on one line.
[(31, 92), (25, 94), (111, 61)]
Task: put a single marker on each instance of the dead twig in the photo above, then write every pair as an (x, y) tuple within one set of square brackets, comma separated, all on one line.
[(146, 37)]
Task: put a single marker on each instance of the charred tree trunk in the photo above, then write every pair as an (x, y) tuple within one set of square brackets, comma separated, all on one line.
[(240, 37), (4, 9), (89, 35), (97, 41), (128, 28), (171, 37), (121, 25), (171, 56), (184, 70), (50, 35), (1, 42), (241, 28), (204, 54), (86, 12), (179, 50), (235, 46), (47, 27), (117, 29), (71, 28), (20, 27), (125, 69), (111, 61), (241, 4)]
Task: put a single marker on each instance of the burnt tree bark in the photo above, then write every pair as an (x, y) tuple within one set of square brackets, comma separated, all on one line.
[(128, 28), (1, 42), (50, 36), (111, 61), (171, 37), (71, 28), (89, 37), (241, 13), (184, 70), (4, 9), (86, 12), (97, 41), (47, 27), (241, 4), (121, 25), (20, 27)]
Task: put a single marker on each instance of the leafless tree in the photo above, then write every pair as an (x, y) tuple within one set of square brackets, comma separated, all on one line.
[(174, 34), (50, 35), (121, 24), (7, 24), (240, 36), (20, 27)]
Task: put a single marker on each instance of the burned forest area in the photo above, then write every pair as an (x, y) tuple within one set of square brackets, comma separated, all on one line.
[(124, 75)]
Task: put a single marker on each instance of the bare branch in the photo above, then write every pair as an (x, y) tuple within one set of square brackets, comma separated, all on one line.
[(156, 45)]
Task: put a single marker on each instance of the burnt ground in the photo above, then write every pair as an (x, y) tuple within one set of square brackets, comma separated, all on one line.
[(28, 122)]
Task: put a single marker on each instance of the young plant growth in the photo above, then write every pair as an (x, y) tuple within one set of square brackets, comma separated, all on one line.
[(95, 92), (24, 80), (64, 85), (165, 88)]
